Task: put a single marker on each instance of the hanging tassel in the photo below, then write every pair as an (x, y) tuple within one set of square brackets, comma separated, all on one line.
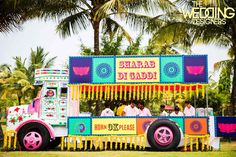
[(164, 89), (126, 141), (121, 92), (101, 143), (97, 90), (138, 90), (111, 141), (92, 92), (130, 91), (108, 92), (96, 143), (121, 143), (125, 92), (154, 92), (142, 92), (180, 90), (80, 143), (150, 92), (185, 91), (134, 92), (84, 92), (135, 142), (80, 92), (112, 89), (174, 91), (89, 92), (159, 92), (116, 145), (106, 139), (101, 92), (146, 91), (168, 92), (116, 92), (197, 91), (190, 91), (203, 91), (131, 142), (85, 143), (105, 93), (91, 143)]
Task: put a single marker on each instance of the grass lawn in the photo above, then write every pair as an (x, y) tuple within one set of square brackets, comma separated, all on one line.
[(227, 150)]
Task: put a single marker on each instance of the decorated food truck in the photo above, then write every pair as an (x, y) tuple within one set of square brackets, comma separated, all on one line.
[(54, 117)]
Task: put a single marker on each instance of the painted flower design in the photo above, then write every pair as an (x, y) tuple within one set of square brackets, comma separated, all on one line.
[(20, 118), (13, 120)]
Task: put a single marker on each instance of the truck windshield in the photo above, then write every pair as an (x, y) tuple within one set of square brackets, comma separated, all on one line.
[(63, 92)]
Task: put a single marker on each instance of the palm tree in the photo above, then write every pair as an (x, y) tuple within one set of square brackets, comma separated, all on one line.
[(181, 30), (13, 13), (19, 81), (38, 59), (77, 15)]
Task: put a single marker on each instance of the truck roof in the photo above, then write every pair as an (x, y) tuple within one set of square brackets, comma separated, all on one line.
[(46, 74)]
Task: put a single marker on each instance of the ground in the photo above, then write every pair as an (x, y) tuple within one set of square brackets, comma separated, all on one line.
[(227, 150)]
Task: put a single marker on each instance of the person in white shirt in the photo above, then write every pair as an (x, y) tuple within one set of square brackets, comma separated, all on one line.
[(177, 112), (131, 110), (107, 111), (162, 110), (143, 111), (189, 110)]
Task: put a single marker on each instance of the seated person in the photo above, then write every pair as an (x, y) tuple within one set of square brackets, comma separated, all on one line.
[(131, 110), (120, 109), (189, 110), (162, 110), (107, 111), (177, 112), (143, 111)]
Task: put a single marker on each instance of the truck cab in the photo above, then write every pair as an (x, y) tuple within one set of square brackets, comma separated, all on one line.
[(42, 122)]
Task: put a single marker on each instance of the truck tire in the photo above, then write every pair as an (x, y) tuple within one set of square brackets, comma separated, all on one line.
[(55, 143), (33, 137), (163, 135)]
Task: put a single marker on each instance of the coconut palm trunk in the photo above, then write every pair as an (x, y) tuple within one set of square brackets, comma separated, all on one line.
[(96, 37)]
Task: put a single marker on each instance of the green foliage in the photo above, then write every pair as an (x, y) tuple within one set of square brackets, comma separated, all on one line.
[(16, 84), (224, 85), (134, 48)]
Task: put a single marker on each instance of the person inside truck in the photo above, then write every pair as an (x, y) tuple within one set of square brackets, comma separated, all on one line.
[(120, 109), (162, 110), (107, 111), (143, 111), (189, 110), (131, 110), (177, 112)]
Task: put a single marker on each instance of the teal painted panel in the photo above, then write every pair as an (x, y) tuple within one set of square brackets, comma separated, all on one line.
[(179, 121), (171, 69), (79, 126), (103, 70)]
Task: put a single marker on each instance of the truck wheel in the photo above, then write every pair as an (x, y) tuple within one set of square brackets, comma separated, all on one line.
[(54, 143), (163, 135), (33, 137)]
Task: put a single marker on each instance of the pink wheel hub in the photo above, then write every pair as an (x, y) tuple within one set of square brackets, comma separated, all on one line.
[(163, 136), (32, 140)]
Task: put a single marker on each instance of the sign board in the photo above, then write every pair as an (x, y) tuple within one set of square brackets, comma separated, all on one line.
[(112, 126), (138, 69)]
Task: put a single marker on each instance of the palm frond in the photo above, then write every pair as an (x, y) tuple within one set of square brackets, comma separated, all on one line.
[(223, 64), (50, 62), (112, 27), (73, 23)]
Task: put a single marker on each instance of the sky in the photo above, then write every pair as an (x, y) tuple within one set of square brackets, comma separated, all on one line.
[(40, 33)]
